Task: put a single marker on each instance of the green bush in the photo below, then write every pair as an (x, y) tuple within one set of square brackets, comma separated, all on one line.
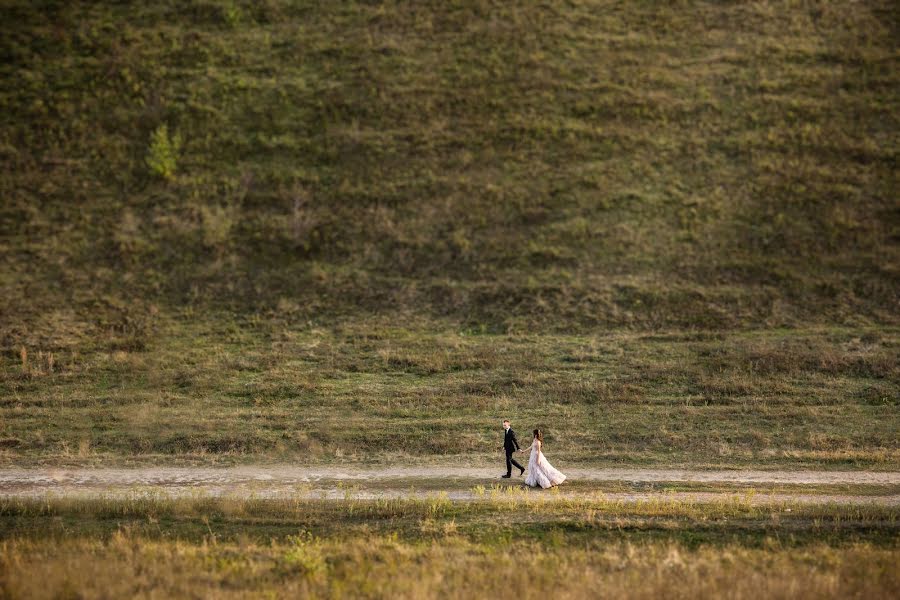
[(162, 158)]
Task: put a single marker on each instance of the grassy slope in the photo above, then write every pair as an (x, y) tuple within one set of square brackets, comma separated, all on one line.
[(364, 188)]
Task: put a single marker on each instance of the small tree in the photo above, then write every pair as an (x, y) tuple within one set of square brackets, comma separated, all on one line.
[(162, 157)]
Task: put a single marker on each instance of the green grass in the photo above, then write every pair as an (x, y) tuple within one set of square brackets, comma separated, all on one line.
[(665, 232), (821, 398), (514, 167), (497, 517)]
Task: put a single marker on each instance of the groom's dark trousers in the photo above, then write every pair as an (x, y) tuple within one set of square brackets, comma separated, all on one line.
[(510, 461), (511, 444)]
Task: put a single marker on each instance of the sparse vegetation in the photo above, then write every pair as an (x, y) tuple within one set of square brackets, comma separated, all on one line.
[(824, 399)]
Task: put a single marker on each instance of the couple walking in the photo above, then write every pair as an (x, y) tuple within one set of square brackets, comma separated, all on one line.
[(540, 471)]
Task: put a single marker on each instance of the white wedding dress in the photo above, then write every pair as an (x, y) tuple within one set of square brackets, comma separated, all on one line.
[(540, 471)]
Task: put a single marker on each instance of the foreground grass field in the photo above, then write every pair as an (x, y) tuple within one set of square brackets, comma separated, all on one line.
[(438, 548), (432, 547)]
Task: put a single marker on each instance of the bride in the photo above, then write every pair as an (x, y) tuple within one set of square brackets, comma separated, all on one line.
[(540, 471)]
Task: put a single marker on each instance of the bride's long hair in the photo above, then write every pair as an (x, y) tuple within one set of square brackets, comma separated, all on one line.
[(539, 436)]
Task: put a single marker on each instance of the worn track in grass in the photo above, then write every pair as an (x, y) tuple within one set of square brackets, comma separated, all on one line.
[(459, 483)]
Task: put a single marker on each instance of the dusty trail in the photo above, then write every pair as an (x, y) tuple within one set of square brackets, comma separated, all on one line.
[(298, 474), (458, 483)]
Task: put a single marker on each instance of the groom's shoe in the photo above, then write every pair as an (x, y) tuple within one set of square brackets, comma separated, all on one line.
[(507, 476), (521, 472)]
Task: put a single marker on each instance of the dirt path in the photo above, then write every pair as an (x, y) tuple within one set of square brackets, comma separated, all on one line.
[(163, 476), (458, 483)]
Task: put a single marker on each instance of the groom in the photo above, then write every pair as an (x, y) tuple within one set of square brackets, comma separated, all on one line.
[(510, 444)]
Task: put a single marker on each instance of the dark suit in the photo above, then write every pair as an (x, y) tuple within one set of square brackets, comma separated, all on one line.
[(511, 444)]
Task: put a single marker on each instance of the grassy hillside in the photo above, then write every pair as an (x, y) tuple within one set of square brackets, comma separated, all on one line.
[(329, 228)]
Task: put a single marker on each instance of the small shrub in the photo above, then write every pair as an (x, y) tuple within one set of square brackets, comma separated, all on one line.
[(231, 14), (304, 555), (162, 157)]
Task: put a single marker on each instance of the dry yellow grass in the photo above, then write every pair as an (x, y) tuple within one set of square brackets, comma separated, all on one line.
[(435, 548), (384, 567)]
